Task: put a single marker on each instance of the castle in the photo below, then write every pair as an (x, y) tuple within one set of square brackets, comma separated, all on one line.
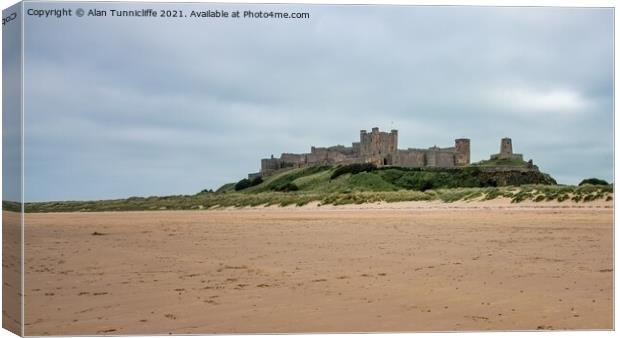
[(505, 151), (377, 147)]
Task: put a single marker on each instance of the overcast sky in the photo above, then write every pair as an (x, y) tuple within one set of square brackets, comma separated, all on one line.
[(119, 107)]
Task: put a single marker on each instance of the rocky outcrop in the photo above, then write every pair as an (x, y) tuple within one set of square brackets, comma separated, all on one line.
[(497, 177)]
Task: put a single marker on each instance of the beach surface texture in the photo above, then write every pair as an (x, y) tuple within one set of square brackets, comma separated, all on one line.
[(397, 267)]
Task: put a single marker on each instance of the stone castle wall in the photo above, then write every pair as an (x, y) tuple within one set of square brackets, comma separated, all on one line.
[(442, 158), (411, 158), (380, 148)]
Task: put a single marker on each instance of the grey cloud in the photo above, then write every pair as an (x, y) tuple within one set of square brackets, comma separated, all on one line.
[(144, 107)]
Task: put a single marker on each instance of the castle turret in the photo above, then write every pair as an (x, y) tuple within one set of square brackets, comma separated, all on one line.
[(505, 151), (461, 146), (394, 140), (505, 148)]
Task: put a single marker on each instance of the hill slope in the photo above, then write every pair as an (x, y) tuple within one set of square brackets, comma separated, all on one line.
[(330, 179), (354, 185)]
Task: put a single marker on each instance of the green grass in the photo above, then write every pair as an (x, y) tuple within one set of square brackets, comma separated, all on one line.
[(536, 193), (320, 185), (366, 181), (500, 162), (350, 178), (227, 187)]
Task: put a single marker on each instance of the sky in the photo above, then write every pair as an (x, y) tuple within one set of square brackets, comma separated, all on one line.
[(11, 108), (119, 107)]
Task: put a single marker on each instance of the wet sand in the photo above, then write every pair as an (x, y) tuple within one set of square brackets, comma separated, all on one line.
[(413, 266)]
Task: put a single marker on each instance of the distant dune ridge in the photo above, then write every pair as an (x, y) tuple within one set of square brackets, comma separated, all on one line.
[(355, 184)]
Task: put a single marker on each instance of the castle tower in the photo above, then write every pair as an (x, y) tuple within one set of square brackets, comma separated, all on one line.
[(364, 142), (462, 147), (378, 147), (393, 140), (505, 148)]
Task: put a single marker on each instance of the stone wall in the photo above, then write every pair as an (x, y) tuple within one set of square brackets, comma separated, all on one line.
[(297, 159), (380, 148), (270, 163), (410, 158), (252, 176), (442, 158), (518, 157)]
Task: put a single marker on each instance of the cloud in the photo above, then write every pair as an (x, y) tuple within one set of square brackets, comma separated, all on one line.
[(152, 107), (531, 101)]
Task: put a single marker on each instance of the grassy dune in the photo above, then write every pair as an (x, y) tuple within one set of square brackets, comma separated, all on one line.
[(346, 179), (321, 185)]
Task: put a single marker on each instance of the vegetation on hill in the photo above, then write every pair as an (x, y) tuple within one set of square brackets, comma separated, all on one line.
[(246, 183), (536, 193), (513, 162), (353, 169), (593, 181), (355, 184), (367, 177)]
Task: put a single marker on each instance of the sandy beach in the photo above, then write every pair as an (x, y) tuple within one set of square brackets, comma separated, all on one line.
[(410, 266)]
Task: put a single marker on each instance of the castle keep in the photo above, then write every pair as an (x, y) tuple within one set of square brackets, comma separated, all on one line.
[(377, 147)]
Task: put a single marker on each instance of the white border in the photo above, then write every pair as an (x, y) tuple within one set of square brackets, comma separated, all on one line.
[(505, 3)]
